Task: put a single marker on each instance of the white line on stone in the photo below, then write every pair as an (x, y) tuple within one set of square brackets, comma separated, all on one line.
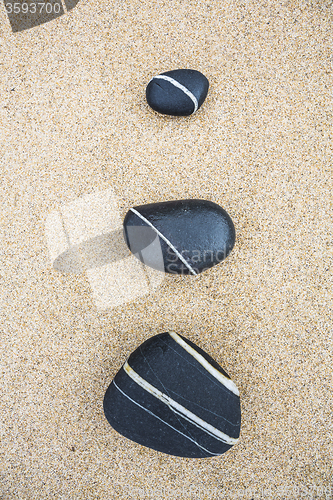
[(179, 409), (181, 87), (179, 255), (166, 423), (227, 382)]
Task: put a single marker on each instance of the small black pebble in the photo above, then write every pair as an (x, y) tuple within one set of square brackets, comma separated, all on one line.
[(180, 92), (179, 237)]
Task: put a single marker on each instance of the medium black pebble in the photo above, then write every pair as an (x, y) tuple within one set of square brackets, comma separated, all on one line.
[(192, 235), (179, 92), (173, 397)]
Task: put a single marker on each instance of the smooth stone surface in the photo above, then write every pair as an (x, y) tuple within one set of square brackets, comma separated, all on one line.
[(179, 92), (173, 397), (193, 235)]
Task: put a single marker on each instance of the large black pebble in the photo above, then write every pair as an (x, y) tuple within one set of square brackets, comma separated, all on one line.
[(179, 92), (173, 397), (193, 235)]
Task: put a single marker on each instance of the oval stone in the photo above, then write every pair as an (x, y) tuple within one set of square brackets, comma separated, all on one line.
[(180, 92), (179, 237), (171, 396)]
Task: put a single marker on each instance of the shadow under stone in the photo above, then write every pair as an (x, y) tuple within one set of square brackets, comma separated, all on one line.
[(106, 248), (70, 4), (93, 253)]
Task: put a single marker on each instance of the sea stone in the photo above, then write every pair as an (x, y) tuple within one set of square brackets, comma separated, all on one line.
[(180, 92), (173, 397), (192, 235)]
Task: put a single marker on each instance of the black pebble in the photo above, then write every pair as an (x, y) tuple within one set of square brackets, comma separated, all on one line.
[(179, 237), (173, 397), (165, 97)]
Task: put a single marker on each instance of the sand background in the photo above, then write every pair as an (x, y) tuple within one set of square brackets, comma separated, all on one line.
[(75, 123)]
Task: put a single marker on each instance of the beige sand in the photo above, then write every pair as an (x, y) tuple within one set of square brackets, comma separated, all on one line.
[(77, 124)]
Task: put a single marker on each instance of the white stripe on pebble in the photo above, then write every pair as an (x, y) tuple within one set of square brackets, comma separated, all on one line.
[(166, 423), (227, 382), (181, 87), (178, 408), (179, 255)]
